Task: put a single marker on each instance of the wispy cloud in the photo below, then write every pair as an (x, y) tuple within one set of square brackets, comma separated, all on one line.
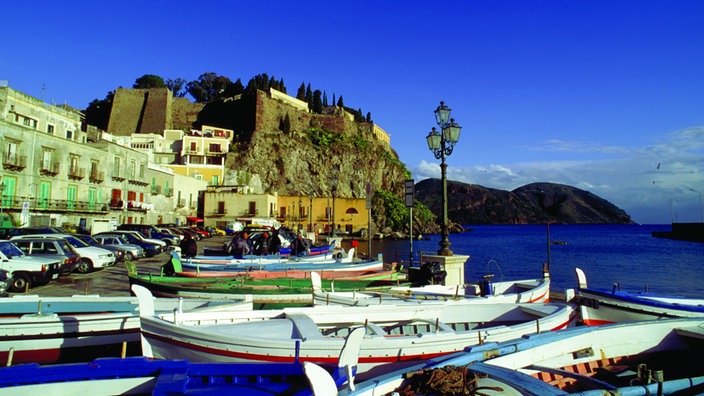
[(658, 183)]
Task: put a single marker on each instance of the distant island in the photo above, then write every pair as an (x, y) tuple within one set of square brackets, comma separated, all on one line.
[(535, 203)]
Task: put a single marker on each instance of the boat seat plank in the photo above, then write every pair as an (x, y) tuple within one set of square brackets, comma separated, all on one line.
[(692, 332), (306, 327), (571, 374), (538, 310)]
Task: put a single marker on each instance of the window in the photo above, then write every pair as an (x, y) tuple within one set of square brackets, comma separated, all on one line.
[(141, 171), (214, 180), (133, 169), (116, 167), (69, 135), (221, 207), (50, 129), (46, 159), (74, 165), (215, 147), (194, 146)]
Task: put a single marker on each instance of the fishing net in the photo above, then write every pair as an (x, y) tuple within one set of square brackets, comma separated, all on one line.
[(447, 381)]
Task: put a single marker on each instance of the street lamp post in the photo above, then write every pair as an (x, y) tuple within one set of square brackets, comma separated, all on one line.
[(335, 181), (441, 144)]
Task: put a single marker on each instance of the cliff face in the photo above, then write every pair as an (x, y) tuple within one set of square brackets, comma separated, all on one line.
[(294, 152), (531, 204)]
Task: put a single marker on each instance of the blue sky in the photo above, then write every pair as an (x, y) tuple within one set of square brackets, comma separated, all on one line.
[(606, 96)]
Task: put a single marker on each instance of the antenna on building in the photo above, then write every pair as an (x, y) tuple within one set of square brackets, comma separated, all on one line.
[(41, 96)]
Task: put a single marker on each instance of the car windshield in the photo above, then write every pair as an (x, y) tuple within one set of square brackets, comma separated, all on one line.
[(89, 240), (10, 250), (75, 242)]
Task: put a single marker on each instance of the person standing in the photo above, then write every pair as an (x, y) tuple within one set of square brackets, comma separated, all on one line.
[(261, 245), (275, 242), (298, 246), (239, 246), (189, 247)]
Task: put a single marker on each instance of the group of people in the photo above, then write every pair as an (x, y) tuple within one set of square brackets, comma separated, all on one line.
[(266, 244)]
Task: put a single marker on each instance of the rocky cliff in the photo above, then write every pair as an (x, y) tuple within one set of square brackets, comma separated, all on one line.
[(294, 152), (531, 204)]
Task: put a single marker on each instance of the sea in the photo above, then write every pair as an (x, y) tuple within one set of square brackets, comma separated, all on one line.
[(622, 256)]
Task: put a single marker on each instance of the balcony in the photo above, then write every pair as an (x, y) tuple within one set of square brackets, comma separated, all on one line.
[(50, 169), (118, 178), (218, 213), (181, 203), (137, 182), (54, 205), (76, 173), (14, 161), (156, 190), (168, 192), (97, 176)]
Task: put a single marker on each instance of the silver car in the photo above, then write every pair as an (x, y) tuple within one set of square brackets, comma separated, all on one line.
[(132, 251)]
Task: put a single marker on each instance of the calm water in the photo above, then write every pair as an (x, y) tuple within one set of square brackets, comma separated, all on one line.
[(625, 254)]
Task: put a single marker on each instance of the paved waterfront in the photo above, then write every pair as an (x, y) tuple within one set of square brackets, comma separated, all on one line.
[(110, 281)]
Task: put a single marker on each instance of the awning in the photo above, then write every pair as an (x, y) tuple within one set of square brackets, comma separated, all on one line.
[(194, 219), (352, 211)]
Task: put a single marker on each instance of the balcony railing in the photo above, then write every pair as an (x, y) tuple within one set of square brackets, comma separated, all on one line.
[(97, 176), (14, 161), (76, 173), (53, 205), (137, 182), (50, 169), (156, 190)]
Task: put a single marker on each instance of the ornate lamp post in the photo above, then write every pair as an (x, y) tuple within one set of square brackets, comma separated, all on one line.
[(441, 144), (335, 180)]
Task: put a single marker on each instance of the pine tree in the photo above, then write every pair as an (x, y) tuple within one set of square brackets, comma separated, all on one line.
[(325, 99), (317, 102), (339, 102), (333, 99), (309, 96), (301, 94), (369, 117)]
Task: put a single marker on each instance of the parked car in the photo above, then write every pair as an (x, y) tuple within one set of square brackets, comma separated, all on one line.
[(171, 232), (5, 282), (119, 253), (132, 251), (26, 271), (53, 248), (195, 235), (151, 247), (203, 233), (92, 258), (11, 232), (149, 231), (215, 231)]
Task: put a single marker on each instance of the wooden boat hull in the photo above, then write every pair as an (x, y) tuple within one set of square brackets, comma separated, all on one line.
[(584, 360), (259, 291), (299, 274), (395, 334), (69, 329), (522, 291), (599, 307), (139, 375)]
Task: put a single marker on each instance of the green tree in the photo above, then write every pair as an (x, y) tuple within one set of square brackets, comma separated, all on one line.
[(325, 99), (176, 86), (317, 102), (301, 94), (309, 96), (210, 87), (369, 117), (149, 81), (340, 104)]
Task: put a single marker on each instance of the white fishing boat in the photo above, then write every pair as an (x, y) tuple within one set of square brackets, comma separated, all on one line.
[(255, 260), (67, 329), (395, 334), (601, 306), (484, 292), (626, 359), (143, 376)]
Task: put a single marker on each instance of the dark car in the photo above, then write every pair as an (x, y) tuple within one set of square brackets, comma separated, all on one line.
[(31, 230), (150, 249), (118, 252), (149, 231)]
